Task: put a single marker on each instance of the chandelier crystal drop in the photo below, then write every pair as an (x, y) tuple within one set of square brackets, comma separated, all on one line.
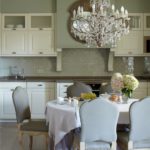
[(102, 26)]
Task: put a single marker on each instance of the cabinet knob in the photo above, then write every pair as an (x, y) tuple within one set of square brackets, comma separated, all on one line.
[(13, 52), (40, 28), (40, 85), (40, 52), (14, 28), (129, 52)]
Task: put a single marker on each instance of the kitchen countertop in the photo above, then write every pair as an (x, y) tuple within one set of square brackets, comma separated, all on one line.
[(64, 78)]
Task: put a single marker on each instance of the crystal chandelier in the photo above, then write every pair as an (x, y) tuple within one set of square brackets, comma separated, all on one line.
[(100, 27)]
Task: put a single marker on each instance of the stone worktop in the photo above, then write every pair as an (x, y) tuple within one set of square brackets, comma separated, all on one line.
[(63, 78)]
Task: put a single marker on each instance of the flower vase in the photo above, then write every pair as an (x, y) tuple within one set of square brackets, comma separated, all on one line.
[(125, 98)]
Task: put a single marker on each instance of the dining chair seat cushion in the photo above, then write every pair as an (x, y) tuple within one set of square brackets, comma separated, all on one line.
[(123, 138), (35, 125), (97, 145)]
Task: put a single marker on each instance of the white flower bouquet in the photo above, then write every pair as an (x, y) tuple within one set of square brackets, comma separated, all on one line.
[(124, 83)]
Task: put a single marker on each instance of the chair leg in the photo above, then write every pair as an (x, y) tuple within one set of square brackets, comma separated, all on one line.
[(47, 141), (31, 142), (21, 140)]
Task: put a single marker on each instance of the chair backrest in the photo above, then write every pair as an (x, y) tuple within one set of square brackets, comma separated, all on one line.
[(140, 120), (77, 88), (106, 88), (21, 104), (98, 120)]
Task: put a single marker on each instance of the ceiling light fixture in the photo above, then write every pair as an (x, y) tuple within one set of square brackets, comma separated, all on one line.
[(100, 27)]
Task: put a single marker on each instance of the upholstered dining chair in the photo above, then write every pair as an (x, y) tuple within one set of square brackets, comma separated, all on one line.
[(77, 88), (139, 135), (24, 122), (98, 125), (106, 88)]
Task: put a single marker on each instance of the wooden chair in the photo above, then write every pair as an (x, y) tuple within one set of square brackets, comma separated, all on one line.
[(24, 122), (77, 88), (138, 138), (98, 125)]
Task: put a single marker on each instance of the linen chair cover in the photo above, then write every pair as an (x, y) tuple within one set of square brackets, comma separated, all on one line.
[(139, 135), (21, 104), (106, 88), (30, 127), (77, 88), (98, 124)]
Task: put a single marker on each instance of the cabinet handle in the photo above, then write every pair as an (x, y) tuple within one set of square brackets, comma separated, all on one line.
[(13, 52), (129, 52), (40, 28), (40, 52), (66, 85), (14, 28), (12, 90), (40, 85)]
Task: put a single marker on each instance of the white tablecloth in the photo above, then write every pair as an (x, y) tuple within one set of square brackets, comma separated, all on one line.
[(62, 119)]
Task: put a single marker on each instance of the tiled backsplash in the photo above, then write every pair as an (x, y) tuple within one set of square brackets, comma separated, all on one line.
[(75, 62)]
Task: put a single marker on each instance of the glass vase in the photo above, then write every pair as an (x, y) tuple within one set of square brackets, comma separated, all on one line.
[(125, 99)]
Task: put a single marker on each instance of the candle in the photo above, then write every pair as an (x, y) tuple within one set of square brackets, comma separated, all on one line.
[(78, 11), (101, 10), (81, 9), (126, 13), (74, 13), (93, 8), (117, 13), (113, 7), (122, 11)]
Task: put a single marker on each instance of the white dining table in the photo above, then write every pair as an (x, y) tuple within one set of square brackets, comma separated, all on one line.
[(63, 118)]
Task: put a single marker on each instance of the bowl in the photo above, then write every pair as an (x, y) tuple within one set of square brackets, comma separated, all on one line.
[(9, 26), (19, 26)]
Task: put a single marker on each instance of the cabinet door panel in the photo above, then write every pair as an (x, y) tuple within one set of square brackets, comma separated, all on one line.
[(8, 111), (41, 42), (38, 99), (131, 44), (14, 42)]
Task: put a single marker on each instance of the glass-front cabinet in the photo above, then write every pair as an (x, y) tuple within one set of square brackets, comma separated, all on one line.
[(136, 21), (132, 43)]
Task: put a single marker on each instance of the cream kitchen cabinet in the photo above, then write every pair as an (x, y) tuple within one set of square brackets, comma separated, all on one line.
[(141, 91), (136, 21), (7, 110), (62, 88), (14, 43), (41, 43), (130, 45), (14, 34), (41, 34), (39, 94), (28, 34)]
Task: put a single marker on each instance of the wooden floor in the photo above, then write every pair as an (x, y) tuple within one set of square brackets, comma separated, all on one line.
[(9, 139)]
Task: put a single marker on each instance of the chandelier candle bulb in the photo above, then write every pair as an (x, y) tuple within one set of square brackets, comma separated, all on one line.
[(78, 12), (93, 8), (113, 8), (74, 13)]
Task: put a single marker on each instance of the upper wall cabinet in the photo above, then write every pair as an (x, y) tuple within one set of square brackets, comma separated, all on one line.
[(132, 44), (41, 35), (28, 34), (14, 34)]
